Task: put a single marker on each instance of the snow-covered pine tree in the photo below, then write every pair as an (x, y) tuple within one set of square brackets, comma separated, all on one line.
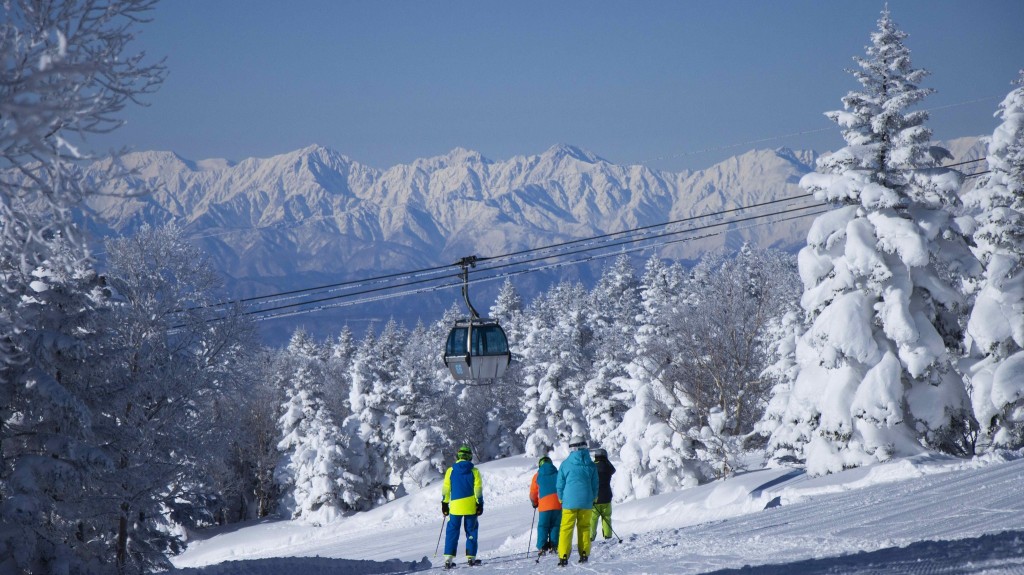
[(785, 440), (508, 310), (557, 354), (879, 271), (614, 309), (310, 471), (995, 332), (657, 455), (375, 371), (305, 349), (417, 457), (51, 457), (339, 373)]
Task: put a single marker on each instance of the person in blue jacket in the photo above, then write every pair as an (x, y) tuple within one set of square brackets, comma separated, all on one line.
[(577, 489), (462, 496)]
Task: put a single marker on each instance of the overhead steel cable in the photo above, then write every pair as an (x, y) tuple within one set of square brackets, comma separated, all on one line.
[(350, 283), (436, 269), (655, 236), (642, 228), (537, 259), (535, 269), (565, 254)]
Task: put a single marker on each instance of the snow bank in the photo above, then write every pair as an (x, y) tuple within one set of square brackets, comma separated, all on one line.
[(722, 524)]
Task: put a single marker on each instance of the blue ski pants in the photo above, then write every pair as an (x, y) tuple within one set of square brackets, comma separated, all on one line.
[(451, 539), (547, 528)]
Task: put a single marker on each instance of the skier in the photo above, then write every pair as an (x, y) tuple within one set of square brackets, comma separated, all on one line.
[(462, 496), (577, 490), (545, 499), (603, 505)]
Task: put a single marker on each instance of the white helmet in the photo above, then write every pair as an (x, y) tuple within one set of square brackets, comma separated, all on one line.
[(577, 443)]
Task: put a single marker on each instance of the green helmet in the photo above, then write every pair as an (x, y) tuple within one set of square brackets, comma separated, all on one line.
[(464, 453), (543, 460)]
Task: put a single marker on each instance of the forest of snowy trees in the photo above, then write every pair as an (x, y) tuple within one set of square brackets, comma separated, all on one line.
[(127, 417)]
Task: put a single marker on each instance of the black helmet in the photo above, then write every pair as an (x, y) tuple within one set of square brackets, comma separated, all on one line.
[(600, 454)]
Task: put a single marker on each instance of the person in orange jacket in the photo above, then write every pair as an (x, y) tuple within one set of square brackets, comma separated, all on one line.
[(545, 500)]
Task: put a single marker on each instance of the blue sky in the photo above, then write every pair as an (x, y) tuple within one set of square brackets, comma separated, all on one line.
[(661, 82)]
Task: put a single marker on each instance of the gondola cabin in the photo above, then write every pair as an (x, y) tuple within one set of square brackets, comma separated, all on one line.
[(477, 349)]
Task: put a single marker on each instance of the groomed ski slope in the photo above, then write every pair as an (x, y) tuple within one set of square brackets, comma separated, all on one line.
[(924, 515)]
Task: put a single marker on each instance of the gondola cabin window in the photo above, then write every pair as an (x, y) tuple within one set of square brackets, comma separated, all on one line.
[(456, 342), (489, 340)]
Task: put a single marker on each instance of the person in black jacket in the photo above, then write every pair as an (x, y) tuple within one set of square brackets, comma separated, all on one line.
[(603, 503)]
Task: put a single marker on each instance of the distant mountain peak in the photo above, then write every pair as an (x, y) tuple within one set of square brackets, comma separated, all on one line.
[(562, 151), (458, 156)]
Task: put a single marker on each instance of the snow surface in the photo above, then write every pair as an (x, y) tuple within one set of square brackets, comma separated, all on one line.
[(924, 514)]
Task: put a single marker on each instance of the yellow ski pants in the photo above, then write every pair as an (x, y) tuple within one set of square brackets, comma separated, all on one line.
[(580, 518)]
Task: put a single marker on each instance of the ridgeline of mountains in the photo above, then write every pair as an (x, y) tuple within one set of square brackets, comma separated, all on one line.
[(314, 216)]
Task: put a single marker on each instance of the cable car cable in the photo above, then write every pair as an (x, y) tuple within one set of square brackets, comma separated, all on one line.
[(515, 273), (618, 244)]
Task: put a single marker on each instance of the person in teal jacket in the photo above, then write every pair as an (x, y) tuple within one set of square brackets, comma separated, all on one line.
[(577, 489), (462, 495)]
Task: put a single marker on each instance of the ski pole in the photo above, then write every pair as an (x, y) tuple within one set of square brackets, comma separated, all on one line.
[(438, 546), (530, 538)]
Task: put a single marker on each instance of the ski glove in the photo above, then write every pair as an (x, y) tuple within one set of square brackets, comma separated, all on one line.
[(480, 508), (534, 504), (444, 509)]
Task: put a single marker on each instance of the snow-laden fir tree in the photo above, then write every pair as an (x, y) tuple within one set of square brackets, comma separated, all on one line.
[(418, 453), (880, 274), (995, 332), (614, 309), (375, 371), (313, 463), (51, 456), (556, 350), (508, 311), (782, 373), (657, 455), (339, 375)]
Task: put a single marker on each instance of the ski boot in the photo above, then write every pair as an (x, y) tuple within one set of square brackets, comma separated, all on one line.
[(449, 562), (584, 557), (563, 561), (471, 561)]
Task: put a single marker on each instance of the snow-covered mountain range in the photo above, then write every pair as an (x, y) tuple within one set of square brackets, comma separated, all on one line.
[(314, 216)]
